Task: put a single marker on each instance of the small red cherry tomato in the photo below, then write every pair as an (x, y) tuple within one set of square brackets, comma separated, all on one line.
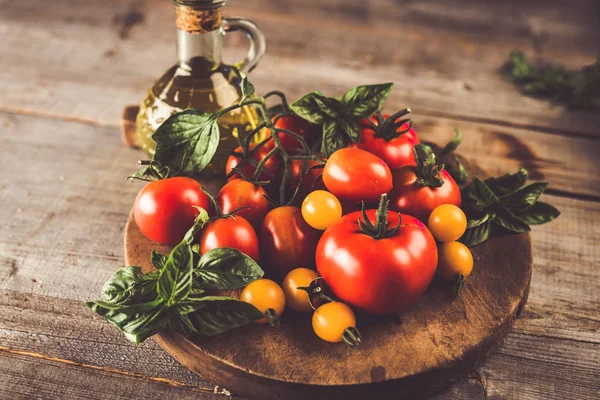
[(234, 231), (356, 175), (164, 209), (396, 152), (286, 240), (299, 126), (240, 193), (409, 197), (271, 169)]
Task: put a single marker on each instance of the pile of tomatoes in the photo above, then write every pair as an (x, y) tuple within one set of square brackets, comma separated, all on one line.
[(366, 230)]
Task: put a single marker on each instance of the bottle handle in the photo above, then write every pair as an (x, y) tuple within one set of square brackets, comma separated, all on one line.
[(258, 44)]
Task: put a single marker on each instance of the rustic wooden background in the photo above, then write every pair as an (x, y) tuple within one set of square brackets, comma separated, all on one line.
[(67, 70)]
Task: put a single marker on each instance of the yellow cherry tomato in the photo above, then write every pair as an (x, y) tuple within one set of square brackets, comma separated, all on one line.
[(454, 258), (331, 320), (447, 223), (264, 294), (297, 299), (321, 209)]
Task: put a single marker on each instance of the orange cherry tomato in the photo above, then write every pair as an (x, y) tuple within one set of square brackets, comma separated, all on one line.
[(447, 223), (331, 320), (265, 295), (454, 258), (298, 299), (321, 209)]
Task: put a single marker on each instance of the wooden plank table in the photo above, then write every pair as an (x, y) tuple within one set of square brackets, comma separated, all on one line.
[(67, 71)]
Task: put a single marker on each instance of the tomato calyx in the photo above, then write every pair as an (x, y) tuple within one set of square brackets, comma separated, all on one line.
[(429, 167), (389, 128), (272, 317), (352, 337), (379, 230), (315, 291)]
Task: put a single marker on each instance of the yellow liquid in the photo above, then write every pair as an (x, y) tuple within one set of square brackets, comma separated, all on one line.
[(207, 87)]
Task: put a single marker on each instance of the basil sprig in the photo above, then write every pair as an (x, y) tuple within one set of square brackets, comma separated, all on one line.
[(504, 203), (578, 89), (172, 298), (339, 116), (452, 163)]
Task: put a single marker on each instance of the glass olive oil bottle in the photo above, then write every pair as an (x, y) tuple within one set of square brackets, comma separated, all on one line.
[(200, 79)]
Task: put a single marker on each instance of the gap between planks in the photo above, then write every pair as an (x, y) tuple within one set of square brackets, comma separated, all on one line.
[(134, 375)]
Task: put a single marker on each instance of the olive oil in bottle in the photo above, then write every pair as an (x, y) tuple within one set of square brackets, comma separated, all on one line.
[(200, 80)]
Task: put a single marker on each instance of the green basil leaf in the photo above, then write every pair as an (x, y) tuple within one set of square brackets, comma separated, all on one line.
[(201, 219), (463, 174), (524, 197), (477, 234), (507, 183), (138, 321), (212, 315), (481, 193), (333, 139), (350, 128), (509, 221), (187, 141), (363, 101), (129, 283), (539, 213), (453, 144), (226, 268), (176, 278), (125, 308), (315, 106), (158, 260), (472, 223), (247, 88)]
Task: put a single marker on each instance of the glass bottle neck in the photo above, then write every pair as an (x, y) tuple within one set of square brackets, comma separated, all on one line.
[(206, 46)]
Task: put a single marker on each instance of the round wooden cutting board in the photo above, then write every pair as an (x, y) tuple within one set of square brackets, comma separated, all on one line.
[(441, 338)]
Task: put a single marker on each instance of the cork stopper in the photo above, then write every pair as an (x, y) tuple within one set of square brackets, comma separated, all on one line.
[(197, 20)]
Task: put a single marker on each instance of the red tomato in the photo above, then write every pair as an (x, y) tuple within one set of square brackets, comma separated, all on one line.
[(273, 164), (235, 232), (308, 179), (240, 193), (379, 276), (355, 175), (164, 209), (419, 201), (395, 152), (294, 124), (287, 241)]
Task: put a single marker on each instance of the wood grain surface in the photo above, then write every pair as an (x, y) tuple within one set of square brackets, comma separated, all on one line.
[(67, 71)]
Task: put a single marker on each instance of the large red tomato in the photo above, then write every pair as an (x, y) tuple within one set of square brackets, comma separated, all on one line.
[(411, 197), (164, 209), (389, 143), (378, 273), (240, 193), (355, 175), (235, 232), (287, 241), (272, 165), (295, 124)]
